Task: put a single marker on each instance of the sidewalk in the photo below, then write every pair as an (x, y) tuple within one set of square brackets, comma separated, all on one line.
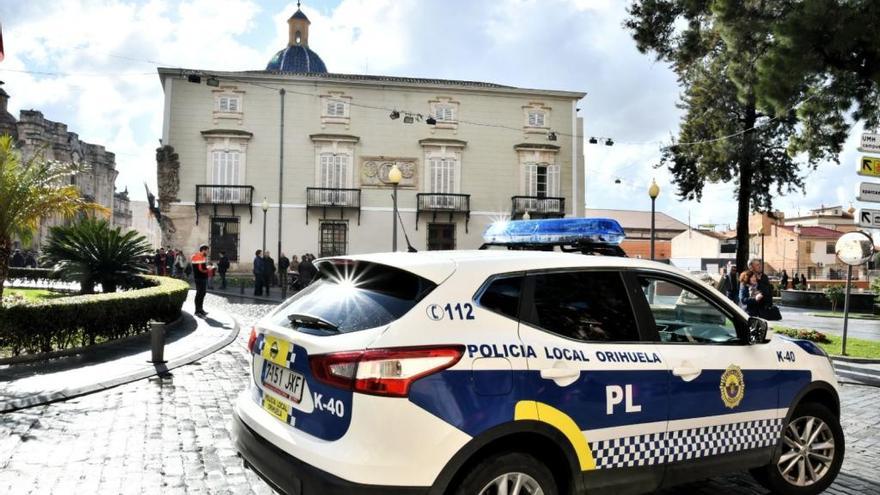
[(274, 296), (27, 385)]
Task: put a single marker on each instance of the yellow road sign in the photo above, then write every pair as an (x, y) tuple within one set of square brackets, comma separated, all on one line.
[(869, 166)]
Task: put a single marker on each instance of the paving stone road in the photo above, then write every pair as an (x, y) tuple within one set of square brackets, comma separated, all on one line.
[(173, 436)]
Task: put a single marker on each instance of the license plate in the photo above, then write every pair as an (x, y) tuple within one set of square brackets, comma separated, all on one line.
[(283, 382)]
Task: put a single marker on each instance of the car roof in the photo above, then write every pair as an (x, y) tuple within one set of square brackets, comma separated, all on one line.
[(437, 266)]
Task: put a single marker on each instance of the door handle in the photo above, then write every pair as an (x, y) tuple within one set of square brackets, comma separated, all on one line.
[(559, 373), (687, 373)]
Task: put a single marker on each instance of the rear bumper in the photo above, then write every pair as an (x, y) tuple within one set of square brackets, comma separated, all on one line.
[(290, 475)]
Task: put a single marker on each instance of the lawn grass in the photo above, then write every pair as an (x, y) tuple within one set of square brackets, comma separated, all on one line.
[(859, 348), (33, 294), (855, 316)]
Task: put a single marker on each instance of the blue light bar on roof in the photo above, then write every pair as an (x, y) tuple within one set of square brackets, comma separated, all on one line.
[(555, 231)]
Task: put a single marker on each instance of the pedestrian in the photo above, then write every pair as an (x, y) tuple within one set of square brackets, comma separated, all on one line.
[(268, 271), (783, 281), (723, 284), (222, 268), (179, 265), (202, 272), (159, 262), (803, 282), (751, 299), (733, 284), (283, 265), (169, 261), (307, 271), (258, 272), (757, 267), (17, 260), (30, 260)]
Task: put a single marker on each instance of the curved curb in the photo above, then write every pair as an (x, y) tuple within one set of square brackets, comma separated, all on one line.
[(847, 359), (38, 400)]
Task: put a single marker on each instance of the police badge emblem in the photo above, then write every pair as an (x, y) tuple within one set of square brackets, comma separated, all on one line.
[(733, 386)]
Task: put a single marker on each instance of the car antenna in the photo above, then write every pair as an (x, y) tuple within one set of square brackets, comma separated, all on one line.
[(409, 247)]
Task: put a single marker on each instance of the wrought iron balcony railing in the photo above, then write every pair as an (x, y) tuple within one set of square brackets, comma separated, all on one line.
[(435, 203), (223, 195), (537, 206), (328, 197)]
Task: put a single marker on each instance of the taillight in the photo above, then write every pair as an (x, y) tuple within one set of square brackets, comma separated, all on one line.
[(252, 339), (386, 372)]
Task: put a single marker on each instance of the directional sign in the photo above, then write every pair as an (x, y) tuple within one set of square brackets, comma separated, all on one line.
[(868, 218), (869, 166), (870, 143), (869, 192)]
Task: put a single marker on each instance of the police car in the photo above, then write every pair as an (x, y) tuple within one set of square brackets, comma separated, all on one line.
[(523, 372)]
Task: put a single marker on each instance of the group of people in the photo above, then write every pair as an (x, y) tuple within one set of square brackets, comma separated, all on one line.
[(168, 262), (797, 282), (750, 289), (290, 272), (28, 259)]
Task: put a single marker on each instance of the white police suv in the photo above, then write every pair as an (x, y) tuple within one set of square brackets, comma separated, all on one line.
[(523, 372)]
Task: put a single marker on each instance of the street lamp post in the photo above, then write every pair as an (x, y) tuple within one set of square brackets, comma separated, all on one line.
[(394, 177), (761, 233), (265, 207), (797, 248), (653, 192)]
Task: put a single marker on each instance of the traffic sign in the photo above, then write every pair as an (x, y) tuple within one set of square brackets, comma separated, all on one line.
[(869, 192), (868, 218), (870, 143), (869, 166)]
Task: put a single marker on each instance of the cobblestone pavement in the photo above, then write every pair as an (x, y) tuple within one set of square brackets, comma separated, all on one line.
[(173, 436)]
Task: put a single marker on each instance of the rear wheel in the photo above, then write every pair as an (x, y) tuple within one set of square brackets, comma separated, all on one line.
[(508, 473), (810, 454)]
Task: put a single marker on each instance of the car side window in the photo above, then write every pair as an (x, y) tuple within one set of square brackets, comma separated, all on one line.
[(683, 316), (583, 305), (502, 296)]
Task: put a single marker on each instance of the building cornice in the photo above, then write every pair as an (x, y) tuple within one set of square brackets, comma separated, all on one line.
[(221, 133), (454, 143), (536, 147), (347, 138)]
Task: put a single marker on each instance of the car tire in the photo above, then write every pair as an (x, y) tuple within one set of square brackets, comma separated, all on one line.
[(791, 457), (508, 467)]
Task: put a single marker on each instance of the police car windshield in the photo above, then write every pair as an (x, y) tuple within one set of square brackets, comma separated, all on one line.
[(348, 296)]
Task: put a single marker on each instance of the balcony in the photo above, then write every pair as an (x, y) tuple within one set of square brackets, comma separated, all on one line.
[(537, 207), (327, 197), (435, 203), (221, 195)]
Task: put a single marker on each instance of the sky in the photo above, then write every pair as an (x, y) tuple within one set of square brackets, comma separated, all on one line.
[(92, 65)]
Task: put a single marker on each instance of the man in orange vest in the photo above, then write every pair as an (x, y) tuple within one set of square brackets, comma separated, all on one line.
[(202, 271)]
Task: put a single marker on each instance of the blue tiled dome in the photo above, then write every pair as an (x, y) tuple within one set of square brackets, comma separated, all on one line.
[(297, 58)]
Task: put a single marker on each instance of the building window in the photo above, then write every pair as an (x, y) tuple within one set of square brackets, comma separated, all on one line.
[(334, 172), (542, 180), (225, 172), (229, 104), (444, 112), (830, 248), (536, 118), (809, 247), (224, 237), (335, 108), (441, 236), (334, 238), (442, 175)]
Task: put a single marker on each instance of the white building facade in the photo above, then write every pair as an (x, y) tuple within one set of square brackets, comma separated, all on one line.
[(469, 152)]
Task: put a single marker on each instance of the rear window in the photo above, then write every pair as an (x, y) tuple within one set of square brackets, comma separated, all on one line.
[(347, 296)]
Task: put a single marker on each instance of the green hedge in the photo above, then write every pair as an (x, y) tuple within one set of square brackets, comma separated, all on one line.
[(65, 322)]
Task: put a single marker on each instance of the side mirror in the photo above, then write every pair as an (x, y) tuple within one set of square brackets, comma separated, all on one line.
[(757, 330)]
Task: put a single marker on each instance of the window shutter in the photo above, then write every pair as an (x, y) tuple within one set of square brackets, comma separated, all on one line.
[(553, 180), (531, 179), (233, 104)]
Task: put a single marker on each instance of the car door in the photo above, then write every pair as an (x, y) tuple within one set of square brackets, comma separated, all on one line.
[(591, 373), (723, 392)]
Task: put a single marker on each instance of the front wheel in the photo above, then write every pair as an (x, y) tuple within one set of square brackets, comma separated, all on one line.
[(810, 454), (510, 473)]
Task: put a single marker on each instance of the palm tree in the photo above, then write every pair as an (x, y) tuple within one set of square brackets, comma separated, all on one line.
[(31, 190), (93, 252)]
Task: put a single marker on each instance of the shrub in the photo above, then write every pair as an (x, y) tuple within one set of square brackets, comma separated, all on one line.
[(835, 294), (804, 334), (83, 320), (33, 274), (92, 251)]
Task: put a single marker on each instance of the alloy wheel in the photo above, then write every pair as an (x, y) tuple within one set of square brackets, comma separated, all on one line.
[(807, 452), (512, 484)]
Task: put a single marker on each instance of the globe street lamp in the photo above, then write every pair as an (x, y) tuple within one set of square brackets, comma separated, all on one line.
[(265, 207), (653, 192), (394, 177)]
